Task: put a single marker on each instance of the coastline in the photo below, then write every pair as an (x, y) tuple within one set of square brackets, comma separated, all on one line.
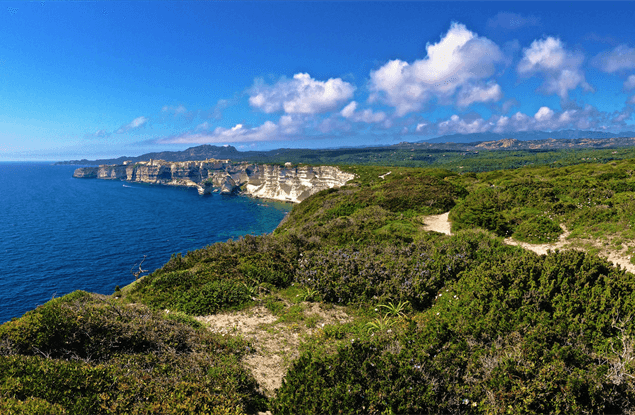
[(286, 184)]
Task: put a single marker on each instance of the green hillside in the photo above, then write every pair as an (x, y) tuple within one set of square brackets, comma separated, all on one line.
[(430, 323)]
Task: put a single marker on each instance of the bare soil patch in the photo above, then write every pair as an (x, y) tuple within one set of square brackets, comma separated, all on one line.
[(437, 223), (277, 343)]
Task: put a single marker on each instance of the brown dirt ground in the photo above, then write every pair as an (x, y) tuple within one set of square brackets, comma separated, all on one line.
[(276, 343)]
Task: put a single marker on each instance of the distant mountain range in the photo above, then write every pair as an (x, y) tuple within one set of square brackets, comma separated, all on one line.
[(537, 140)]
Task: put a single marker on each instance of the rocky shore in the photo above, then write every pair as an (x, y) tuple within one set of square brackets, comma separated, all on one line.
[(289, 183)]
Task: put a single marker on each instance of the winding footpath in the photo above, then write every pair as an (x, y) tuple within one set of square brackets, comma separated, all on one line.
[(441, 224)]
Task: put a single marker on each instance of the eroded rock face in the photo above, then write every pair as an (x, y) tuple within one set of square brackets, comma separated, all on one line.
[(290, 184), (86, 173)]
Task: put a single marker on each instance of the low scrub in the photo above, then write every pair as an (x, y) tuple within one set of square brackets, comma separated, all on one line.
[(84, 353), (517, 333)]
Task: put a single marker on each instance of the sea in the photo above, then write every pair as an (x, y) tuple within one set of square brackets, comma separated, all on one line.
[(59, 234)]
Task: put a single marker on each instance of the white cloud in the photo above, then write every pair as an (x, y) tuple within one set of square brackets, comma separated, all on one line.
[(460, 57), (543, 114), (479, 93), (458, 125), (421, 127), (287, 126), (545, 119), (621, 57), (630, 82), (301, 95), (368, 116), (349, 110), (133, 125), (560, 68)]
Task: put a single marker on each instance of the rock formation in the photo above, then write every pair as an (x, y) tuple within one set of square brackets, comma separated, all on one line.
[(289, 184)]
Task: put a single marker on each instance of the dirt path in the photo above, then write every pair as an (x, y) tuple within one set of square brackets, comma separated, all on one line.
[(440, 223), (276, 343), (437, 223)]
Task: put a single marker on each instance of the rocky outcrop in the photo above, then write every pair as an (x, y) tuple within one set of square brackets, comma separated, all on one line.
[(86, 173), (290, 184)]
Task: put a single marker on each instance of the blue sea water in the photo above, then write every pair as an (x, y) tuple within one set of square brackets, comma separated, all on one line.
[(59, 234)]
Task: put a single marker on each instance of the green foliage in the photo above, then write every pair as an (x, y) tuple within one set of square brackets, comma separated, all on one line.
[(481, 209), (83, 353), (517, 333), (213, 297), (395, 310), (389, 273), (218, 277), (32, 406), (274, 305), (381, 323), (537, 229)]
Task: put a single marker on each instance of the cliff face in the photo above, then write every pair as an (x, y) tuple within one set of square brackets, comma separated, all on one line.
[(289, 184)]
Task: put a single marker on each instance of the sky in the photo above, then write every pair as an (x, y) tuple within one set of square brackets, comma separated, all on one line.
[(105, 79)]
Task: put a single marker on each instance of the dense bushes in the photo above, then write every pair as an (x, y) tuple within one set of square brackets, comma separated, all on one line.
[(387, 273), (212, 297), (84, 353), (530, 203), (218, 277), (517, 333)]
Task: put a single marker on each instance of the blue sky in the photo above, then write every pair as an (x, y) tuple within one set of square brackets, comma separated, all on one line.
[(105, 79)]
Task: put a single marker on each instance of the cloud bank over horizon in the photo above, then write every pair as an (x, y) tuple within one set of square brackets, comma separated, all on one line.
[(458, 72)]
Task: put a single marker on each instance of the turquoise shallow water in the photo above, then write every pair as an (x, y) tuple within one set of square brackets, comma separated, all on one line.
[(59, 234)]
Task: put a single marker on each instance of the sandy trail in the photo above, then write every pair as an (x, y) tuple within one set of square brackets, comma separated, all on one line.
[(440, 223), (276, 343), (437, 223)]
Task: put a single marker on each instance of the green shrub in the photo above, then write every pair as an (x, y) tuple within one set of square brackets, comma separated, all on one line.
[(393, 273), (30, 406), (481, 209), (517, 333), (537, 229), (39, 383), (213, 297)]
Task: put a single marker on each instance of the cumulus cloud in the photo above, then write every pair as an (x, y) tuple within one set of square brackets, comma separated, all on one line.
[(630, 82), (479, 93), (368, 116), (301, 95), (511, 21), (560, 68), (133, 125), (457, 124), (545, 119), (286, 127), (617, 59), (543, 114), (458, 59)]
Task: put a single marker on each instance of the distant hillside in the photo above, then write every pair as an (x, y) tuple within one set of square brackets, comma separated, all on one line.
[(202, 152), (404, 153), (527, 136)]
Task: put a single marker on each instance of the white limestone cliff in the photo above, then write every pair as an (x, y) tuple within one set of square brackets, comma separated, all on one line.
[(289, 184)]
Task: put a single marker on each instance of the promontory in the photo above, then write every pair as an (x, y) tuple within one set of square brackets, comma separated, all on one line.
[(287, 183)]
